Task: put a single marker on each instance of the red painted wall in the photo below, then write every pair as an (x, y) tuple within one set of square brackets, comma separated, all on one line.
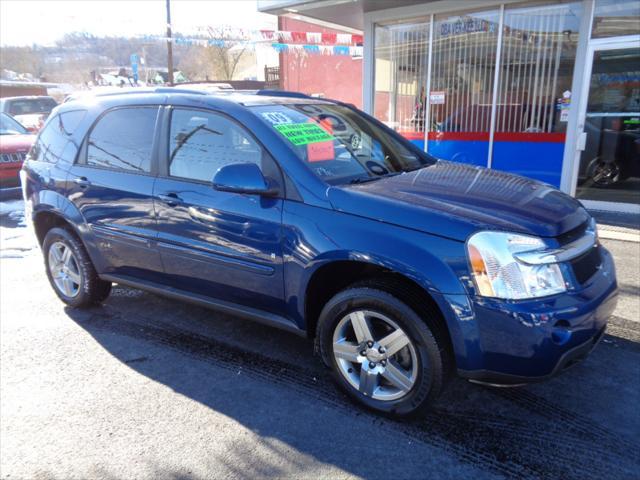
[(336, 76)]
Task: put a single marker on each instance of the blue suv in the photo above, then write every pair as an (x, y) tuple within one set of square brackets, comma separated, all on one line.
[(314, 217)]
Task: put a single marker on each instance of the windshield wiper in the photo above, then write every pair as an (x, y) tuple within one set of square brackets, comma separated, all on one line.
[(371, 179), (354, 181)]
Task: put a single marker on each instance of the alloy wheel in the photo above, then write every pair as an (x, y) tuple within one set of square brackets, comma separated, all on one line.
[(606, 173), (64, 269), (375, 355)]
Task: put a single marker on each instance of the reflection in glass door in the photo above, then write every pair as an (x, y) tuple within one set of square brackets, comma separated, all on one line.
[(610, 163)]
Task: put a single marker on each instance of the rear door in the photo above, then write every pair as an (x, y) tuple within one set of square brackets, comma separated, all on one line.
[(220, 244), (112, 185)]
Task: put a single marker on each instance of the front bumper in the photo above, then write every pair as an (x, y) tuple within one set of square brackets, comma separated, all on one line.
[(528, 341), (567, 360)]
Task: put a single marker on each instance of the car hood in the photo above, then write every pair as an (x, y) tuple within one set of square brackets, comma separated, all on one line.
[(16, 143), (454, 200)]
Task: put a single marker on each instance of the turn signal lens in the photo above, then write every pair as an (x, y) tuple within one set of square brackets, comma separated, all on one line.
[(479, 270)]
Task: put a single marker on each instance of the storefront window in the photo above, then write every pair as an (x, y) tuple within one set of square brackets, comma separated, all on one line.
[(462, 73), (401, 55), (520, 124), (613, 18), (536, 70)]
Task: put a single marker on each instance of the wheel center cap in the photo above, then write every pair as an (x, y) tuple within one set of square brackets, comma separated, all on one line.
[(373, 355)]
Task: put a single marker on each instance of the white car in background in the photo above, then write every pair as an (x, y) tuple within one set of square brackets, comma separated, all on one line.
[(31, 111)]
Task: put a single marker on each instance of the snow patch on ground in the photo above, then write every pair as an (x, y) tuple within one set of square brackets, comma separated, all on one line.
[(12, 206)]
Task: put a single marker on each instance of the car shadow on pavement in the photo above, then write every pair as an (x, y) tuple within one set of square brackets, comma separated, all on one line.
[(268, 381)]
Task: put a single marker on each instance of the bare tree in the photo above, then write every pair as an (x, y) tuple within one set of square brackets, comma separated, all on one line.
[(224, 52)]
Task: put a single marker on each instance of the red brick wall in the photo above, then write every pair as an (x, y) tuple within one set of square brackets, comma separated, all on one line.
[(336, 76)]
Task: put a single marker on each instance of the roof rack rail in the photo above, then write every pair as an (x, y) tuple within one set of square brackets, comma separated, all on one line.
[(180, 90), (281, 93), (114, 91)]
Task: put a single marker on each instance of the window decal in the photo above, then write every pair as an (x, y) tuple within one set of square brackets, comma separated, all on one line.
[(275, 118), (303, 133)]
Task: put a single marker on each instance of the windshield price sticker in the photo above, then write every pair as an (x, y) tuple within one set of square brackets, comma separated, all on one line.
[(303, 133), (275, 118)]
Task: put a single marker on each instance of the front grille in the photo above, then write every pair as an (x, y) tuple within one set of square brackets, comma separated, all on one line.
[(12, 157), (585, 266)]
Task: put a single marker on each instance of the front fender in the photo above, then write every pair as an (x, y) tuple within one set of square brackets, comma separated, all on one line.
[(314, 237)]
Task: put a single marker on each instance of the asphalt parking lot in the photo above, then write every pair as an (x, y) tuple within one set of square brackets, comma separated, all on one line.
[(145, 387)]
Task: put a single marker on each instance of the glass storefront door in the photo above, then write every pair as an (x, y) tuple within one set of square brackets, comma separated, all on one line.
[(609, 169)]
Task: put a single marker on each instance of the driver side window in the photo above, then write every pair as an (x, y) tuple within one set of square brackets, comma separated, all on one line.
[(202, 142)]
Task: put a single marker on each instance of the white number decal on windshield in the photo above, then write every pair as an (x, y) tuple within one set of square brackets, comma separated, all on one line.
[(276, 118)]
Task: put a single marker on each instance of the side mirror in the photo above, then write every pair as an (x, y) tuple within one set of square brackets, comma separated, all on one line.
[(243, 178)]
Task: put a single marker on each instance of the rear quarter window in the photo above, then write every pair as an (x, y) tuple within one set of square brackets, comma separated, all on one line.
[(54, 137)]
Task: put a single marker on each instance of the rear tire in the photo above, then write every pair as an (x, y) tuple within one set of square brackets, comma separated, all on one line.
[(70, 270), (382, 353)]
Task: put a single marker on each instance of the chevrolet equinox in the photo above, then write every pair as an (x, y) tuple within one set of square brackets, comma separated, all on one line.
[(314, 217)]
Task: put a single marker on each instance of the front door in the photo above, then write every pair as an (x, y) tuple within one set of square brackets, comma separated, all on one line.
[(220, 244), (609, 168)]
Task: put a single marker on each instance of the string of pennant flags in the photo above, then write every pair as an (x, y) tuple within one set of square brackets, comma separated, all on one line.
[(284, 36), (312, 37), (315, 43), (319, 49)]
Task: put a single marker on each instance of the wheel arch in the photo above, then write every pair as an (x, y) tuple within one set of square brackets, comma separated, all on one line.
[(334, 276), (50, 209), (45, 220)]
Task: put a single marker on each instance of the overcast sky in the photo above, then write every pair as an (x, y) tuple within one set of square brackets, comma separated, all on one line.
[(24, 22)]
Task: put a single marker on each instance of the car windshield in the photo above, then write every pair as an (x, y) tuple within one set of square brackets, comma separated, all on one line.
[(9, 126), (340, 145), (29, 106)]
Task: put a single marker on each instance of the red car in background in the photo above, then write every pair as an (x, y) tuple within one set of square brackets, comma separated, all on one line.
[(31, 112), (15, 142)]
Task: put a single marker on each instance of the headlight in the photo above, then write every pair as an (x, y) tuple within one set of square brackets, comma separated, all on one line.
[(497, 273)]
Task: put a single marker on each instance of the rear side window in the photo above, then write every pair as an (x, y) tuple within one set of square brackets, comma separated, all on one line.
[(55, 135), (123, 139)]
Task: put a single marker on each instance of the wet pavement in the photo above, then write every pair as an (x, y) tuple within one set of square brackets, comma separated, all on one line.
[(145, 387)]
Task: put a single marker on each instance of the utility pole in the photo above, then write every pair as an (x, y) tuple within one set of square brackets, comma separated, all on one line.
[(169, 46)]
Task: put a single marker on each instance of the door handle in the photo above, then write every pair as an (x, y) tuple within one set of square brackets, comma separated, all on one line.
[(82, 182), (171, 199), (582, 141)]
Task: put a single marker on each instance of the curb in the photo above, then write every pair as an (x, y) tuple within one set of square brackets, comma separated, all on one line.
[(618, 233)]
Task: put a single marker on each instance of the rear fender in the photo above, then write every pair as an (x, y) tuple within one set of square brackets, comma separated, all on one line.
[(52, 202)]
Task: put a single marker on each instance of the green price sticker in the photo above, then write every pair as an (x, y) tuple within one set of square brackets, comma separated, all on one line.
[(303, 133)]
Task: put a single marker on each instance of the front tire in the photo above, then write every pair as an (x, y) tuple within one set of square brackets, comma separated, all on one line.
[(70, 270), (382, 353)]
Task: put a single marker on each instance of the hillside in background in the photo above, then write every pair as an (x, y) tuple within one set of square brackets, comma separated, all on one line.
[(76, 55)]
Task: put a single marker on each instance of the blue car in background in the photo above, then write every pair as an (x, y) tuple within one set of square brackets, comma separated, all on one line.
[(405, 270)]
